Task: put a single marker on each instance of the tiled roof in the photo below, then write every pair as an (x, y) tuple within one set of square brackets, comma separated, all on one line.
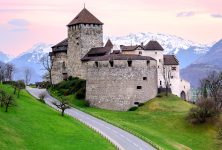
[(85, 17), (153, 45), (117, 57), (98, 51), (109, 43), (170, 60), (61, 46)]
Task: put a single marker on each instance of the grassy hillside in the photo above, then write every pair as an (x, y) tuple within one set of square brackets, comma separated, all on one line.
[(161, 121), (32, 125)]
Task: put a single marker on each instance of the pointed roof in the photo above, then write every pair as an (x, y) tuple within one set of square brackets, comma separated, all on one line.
[(85, 17), (109, 43), (153, 45)]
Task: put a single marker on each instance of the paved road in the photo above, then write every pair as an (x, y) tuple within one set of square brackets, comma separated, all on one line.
[(122, 139)]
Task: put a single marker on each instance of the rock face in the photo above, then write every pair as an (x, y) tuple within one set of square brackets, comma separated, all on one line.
[(120, 87)]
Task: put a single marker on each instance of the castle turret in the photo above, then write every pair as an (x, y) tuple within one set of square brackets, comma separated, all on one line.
[(85, 31)]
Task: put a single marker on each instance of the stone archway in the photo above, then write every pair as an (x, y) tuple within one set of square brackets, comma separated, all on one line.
[(183, 95)]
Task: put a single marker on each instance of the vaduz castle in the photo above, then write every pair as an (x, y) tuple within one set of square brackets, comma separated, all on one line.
[(116, 78)]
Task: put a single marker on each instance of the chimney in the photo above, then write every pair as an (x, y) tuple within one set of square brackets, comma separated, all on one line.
[(142, 44)]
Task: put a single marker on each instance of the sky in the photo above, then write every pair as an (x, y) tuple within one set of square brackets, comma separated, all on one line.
[(24, 23)]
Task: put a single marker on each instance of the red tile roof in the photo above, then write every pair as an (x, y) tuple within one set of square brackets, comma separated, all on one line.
[(85, 17)]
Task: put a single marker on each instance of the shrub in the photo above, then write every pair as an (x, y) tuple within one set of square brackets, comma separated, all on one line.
[(42, 97), (133, 108), (141, 104), (87, 104), (81, 94), (205, 110)]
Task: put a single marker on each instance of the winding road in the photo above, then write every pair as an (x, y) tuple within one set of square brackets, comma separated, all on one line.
[(121, 139)]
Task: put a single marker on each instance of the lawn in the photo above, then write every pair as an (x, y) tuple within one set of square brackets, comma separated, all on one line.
[(160, 121), (32, 125)]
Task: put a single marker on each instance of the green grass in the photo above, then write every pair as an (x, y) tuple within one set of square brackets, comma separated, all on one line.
[(32, 125), (162, 122)]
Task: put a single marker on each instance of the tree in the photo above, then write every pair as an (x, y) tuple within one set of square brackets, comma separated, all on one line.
[(63, 105), (20, 85), (47, 65), (2, 97), (212, 87), (166, 76), (8, 101), (27, 75), (9, 70), (2, 72)]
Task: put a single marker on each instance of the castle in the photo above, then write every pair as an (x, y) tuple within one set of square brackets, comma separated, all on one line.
[(116, 78)]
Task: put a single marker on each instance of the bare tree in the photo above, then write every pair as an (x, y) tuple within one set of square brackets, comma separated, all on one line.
[(63, 105), (47, 65), (2, 72), (27, 75), (166, 76), (212, 87), (9, 70), (8, 101)]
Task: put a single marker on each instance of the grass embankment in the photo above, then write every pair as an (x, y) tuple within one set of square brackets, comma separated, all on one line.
[(32, 125), (161, 121)]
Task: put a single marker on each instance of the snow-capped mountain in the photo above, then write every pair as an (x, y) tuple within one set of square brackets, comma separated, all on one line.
[(185, 50), (5, 57), (31, 59)]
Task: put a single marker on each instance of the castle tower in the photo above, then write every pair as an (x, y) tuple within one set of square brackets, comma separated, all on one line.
[(85, 31)]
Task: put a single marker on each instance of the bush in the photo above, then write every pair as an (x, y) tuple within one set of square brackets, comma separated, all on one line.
[(206, 109), (42, 97), (133, 108), (141, 104), (81, 94), (87, 104)]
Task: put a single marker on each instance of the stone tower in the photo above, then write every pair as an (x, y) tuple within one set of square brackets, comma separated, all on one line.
[(85, 31)]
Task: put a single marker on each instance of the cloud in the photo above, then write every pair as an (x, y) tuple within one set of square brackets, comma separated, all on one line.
[(186, 14), (216, 15), (18, 22)]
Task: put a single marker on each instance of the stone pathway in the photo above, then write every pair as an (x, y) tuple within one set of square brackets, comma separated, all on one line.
[(121, 139)]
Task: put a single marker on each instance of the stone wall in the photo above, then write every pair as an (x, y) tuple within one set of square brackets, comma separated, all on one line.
[(120, 86), (59, 67), (81, 38)]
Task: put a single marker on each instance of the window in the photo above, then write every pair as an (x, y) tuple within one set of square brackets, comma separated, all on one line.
[(160, 83), (139, 87), (136, 103), (65, 76), (159, 60), (129, 63), (158, 66), (147, 62), (155, 52), (140, 52), (174, 68), (97, 64), (144, 78), (63, 65), (111, 63), (77, 43), (171, 77)]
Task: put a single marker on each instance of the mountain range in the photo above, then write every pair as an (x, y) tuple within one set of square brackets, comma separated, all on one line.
[(190, 54)]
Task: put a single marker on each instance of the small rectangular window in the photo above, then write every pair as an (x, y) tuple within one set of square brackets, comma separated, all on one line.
[(147, 62), (174, 68), (111, 63), (144, 78), (139, 87), (171, 77), (97, 64), (129, 63)]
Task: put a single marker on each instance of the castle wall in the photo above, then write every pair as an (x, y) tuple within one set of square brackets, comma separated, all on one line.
[(81, 38), (58, 66), (158, 55), (116, 87)]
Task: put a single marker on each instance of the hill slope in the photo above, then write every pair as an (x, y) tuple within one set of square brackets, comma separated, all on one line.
[(32, 125)]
